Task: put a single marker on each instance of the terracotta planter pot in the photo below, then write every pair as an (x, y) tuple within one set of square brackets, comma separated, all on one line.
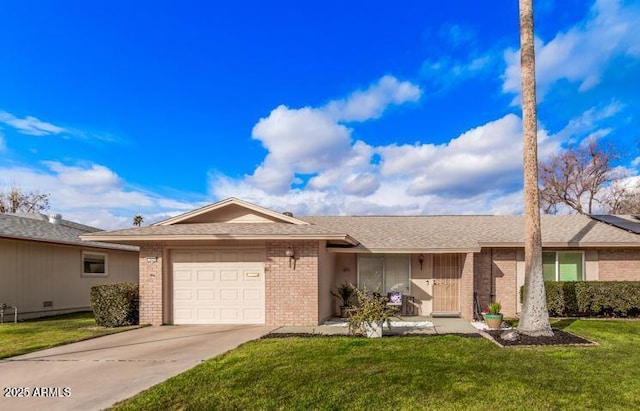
[(493, 321)]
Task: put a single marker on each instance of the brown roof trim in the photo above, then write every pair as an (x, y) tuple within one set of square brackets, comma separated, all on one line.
[(363, 250), (172, 237), (563, 244), (87, 243)]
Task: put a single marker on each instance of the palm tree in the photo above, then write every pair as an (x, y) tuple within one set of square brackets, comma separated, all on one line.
[(137, 220), (534, 319)]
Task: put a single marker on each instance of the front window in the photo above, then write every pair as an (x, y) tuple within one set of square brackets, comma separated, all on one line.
[(384, 272), (563, 265), (94, 263)]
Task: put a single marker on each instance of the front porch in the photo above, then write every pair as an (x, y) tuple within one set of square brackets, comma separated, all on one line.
[(432, 284)]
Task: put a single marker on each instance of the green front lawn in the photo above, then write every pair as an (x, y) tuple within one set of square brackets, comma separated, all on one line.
[(445, 372), (34, 335)]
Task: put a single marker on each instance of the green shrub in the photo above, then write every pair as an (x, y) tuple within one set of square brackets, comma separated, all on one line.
[(372, 308), (115, 305), (592, 298)]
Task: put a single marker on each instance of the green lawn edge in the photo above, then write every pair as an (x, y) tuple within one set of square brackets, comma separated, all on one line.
[(39, 334), (439, 372)]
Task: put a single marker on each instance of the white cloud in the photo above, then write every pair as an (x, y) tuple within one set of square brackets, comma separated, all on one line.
[(482, 159), (95, 177), (312, 141), (390, 199), (313, 167), (299, 141), (588, 123), (372, 102), (582, 53), (479, 171), (29, 125), (3, 147), (91, 194)]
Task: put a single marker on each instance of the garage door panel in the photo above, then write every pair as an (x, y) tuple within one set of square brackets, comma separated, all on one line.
[(218, 293), (183, 314), (229, 275), (252, 295), (206, 295), (205, 275), (230, 314), (182, 295), (252, 314), (206, 314), (182, 275), (229, 296)]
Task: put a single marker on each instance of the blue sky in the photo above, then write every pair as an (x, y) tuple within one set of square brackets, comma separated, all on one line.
[(118, 108)]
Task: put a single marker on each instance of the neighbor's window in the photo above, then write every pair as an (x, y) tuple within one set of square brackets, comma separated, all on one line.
[(94, 263), (385, 272), (563, 265)]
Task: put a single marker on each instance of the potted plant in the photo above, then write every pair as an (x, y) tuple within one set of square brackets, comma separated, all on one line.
[(370, 315), (344, 292), (493, 316)]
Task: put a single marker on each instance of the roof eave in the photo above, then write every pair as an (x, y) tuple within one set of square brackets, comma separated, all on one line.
[(373, 250), (83, 243), (182, 237), (561, 244)]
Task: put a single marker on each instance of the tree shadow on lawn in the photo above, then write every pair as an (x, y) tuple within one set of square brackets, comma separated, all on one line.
[(563, 323)]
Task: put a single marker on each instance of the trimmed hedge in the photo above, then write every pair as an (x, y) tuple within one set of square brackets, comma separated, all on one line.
[(592, 298), (115, 305)]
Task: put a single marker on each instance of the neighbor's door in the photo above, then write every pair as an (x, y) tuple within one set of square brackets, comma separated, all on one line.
[(446, 283)]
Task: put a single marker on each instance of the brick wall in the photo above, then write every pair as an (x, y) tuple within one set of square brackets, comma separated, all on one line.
[(291, 286), (151, 284), (495, 272), (466, 285), (504, 275), (619, 265), (482, 282)]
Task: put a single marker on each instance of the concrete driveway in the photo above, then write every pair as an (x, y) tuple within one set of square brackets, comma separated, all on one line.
[(94, 374)]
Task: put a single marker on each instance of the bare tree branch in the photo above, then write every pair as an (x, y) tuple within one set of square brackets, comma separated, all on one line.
[(17, 201), (577, 178)]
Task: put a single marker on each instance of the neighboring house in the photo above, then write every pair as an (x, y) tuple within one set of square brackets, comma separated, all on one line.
[(46, 269), (233, 262)]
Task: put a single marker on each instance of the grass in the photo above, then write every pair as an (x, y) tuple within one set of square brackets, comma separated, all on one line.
[(33, 335), (442, 372)]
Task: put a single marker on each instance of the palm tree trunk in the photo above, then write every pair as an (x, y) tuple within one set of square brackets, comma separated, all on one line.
[(534, 319)]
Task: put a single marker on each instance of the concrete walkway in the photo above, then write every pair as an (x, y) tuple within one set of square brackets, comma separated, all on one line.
[(401, 326), (95, 374)]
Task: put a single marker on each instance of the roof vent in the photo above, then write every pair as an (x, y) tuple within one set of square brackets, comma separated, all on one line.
[(55, 218), (288, 213)]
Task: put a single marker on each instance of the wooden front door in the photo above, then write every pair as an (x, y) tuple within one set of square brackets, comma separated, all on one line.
[(446, 283)]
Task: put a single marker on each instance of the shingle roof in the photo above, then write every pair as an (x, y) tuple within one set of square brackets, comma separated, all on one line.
[(226, 230), (37, 227), (462, 232), (399, 233)]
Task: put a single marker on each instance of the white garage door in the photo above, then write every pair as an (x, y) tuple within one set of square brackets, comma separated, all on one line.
[(218, 293)]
